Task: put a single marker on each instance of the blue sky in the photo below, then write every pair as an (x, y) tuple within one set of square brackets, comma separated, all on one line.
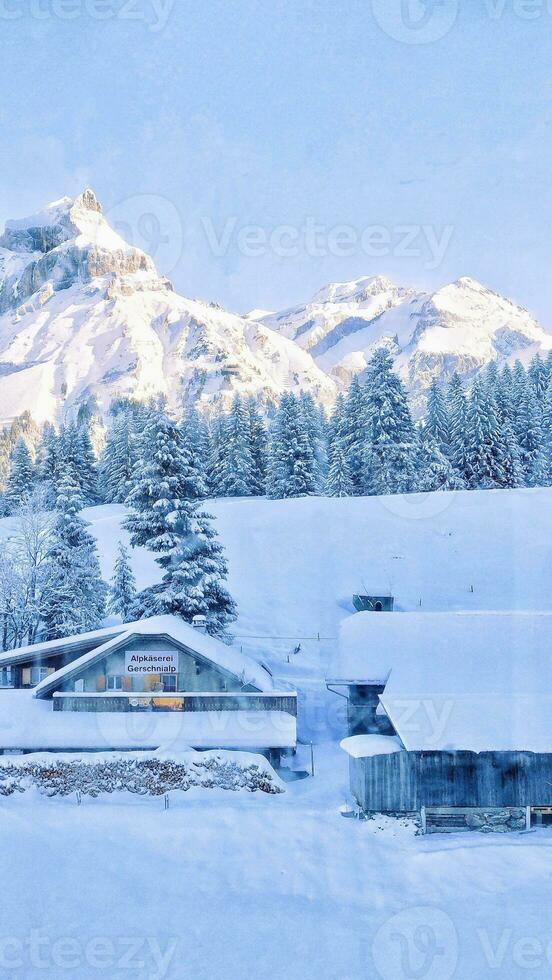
[(333, 118)]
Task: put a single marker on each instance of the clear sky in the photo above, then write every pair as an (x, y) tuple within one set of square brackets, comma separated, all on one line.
[(389, 136)]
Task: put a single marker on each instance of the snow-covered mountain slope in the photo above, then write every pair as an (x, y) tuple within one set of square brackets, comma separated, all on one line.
[(461, 327), (84, 314), (305, 558)]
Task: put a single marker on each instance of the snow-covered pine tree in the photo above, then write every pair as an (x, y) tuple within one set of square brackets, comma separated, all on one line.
[(87, 467), (518, 389), (122, 591), (503, 396), (547, 435), (391, 460), (195, 454), (237, 469), (48, 463), (259, 447), (339, 482), (157, 486), (118, 458), (509, 456), (216, 454), (195, 572), (292, 469), (22, 478), (74, 601), (437, 422), (435, 471), (316, 425), (354, 432), (484, 466), (529, 437), (458, 414), (537, 376)]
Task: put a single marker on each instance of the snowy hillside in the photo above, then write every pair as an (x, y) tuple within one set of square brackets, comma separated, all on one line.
[(461, 327), (84, 314), (295, 564)]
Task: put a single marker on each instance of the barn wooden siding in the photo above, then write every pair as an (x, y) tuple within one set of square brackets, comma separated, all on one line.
[(406, 781)]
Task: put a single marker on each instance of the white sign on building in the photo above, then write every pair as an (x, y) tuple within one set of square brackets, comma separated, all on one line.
[(151, 663)]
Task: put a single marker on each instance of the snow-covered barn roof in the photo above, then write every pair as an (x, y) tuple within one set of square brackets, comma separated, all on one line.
[(99, 643), (462, 680)]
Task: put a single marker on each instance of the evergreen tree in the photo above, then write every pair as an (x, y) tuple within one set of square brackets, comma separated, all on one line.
[(509, 456), (195, 454), (316, 429), (391, 461), (237, 469), (123, 586), (339, 482), (293, 470), (437, 422), (158, 484), (458, 415), (216, 455), (483, 458), (529, 436), (22, 478), (195, 571), (435, 471), (504, 396), (259, 447), (119, 458), (76, 595), (537, 375), (48, 463), (547, 435), (519, 387), (354, 432), (87, 467)]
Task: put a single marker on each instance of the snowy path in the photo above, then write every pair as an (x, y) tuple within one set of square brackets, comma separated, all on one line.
[(268, 887)]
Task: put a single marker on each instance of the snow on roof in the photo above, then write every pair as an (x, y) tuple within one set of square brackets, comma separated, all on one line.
[(30, 725), (477, 681), (361, 746), (98, 643), (67, 644)]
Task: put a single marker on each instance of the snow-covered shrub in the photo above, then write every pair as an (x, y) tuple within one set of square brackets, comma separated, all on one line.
[(144, 774)]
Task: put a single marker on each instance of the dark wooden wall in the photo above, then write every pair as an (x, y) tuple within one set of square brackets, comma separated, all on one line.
[(406, 781)]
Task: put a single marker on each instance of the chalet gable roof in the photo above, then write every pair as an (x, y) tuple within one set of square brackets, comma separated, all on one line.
[(99, 643)]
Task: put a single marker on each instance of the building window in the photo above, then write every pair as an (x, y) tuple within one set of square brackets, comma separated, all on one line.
[(6, 677), (170, 682), (39, 674), (114, 682)]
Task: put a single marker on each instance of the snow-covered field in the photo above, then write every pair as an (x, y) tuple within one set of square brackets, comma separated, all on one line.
[(224, 886), (227, 885), (295, 564)]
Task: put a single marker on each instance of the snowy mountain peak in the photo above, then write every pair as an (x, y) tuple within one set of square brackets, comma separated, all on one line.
[(84, 315), (69, 241), (357, 290), (462, 326)]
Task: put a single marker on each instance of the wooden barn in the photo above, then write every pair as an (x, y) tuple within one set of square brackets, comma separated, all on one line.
[(142, 685), (450, 716)]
